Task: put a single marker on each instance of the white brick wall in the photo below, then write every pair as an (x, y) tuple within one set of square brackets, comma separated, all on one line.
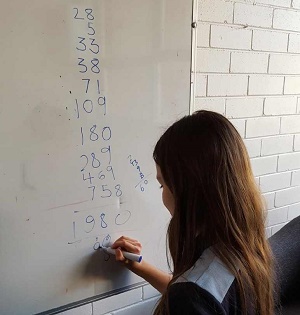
[(290, 124), (280, 105), (276, 145), (244, 107), (134, 302), (269, 41), (297, 143), (248, 68), (213, 60), (249, 62), (280, 3), (222, 36), (215, 11), (253, 147), (275, 182), (260, 93), (296, 4), (294, 43), (265, 85), (292, 85), (296, 178), (277, 216), (147, 307), (264, 165), (286, 20), (253, 15), (270, 201), (201, 85), (290, 161), (240, 125), (262, 126), (219, 85), (203, 34), (82, 310), (117, 301), (213, 104), (294, 211), (287, 196), (284, 64)]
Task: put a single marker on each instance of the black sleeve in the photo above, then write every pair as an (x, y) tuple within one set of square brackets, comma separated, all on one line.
[(189, 298)]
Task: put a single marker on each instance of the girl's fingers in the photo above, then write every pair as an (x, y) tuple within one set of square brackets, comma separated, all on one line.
[(132, 248), (126, 238), (130, 245), (119, 255)]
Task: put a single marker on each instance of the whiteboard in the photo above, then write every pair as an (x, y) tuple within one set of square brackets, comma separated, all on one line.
[(86, 87)]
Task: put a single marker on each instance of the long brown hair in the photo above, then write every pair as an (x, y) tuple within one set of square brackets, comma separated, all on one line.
[(204, 162)]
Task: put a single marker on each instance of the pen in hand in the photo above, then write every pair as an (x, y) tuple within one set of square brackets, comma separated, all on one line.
[(130, 256)]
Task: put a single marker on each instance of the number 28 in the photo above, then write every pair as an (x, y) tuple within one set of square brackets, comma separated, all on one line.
[(88, 12)]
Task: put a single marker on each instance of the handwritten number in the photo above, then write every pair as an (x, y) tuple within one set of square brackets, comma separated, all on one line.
[(91, 106), (95, 162), (118, 190), (77, 107), (98, 85), (90, 220), (101, 176), (106, 133), (102, 102), (88, 178), (107, 150), (93, 135), (93, 191), (87, 161), (110, 169), (95, 67), (89, 14), (106, 190), (80, 63), (87, 84), (102, 222), (88, 108), (91, 28), (97, 49), (82, 43), (76, 15), (81, 131)]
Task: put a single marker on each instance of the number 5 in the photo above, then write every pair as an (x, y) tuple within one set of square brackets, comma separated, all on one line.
[(109, 191), (91, 28)]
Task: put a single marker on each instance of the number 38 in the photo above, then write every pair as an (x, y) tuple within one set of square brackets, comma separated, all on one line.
[(94, 65)]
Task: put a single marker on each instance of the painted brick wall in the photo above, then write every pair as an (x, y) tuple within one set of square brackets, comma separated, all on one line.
[(247, 68), (135, 302)]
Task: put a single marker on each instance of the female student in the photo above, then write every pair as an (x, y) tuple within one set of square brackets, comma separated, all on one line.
[(221, 259)]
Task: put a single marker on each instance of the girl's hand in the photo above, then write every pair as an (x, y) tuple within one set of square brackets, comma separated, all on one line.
[(157, 278), (127, 244)]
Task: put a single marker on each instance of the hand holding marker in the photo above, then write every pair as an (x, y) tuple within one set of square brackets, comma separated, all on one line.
[(130, 256)]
